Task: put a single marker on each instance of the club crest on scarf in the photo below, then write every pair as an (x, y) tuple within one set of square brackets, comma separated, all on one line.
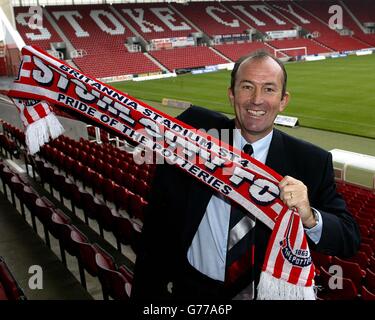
[(297, 257)]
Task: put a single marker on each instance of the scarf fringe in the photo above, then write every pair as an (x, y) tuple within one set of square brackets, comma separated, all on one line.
[(271, 288), (39, 132)]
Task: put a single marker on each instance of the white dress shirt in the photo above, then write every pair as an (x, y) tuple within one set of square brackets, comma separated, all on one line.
[(208, 249)]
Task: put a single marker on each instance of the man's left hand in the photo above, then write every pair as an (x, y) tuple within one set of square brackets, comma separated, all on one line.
[(295, 195)]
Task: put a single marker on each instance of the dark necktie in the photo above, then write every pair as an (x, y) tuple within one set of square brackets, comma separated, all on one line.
[(240, 247)]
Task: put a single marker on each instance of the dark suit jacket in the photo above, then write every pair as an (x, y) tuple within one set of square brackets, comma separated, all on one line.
[(178, 202)]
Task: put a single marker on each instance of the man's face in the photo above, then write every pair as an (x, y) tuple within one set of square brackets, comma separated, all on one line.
[(257, 97)]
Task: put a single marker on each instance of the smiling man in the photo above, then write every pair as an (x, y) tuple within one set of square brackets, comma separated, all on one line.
[(193, 238), (258, 94)]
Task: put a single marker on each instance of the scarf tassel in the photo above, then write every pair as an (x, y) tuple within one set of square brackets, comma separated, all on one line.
[(39, 132), (271, 288)]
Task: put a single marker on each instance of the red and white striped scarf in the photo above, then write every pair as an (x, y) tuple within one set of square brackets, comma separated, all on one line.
[(288, 271)]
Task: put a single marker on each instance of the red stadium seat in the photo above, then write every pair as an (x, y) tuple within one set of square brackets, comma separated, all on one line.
[(104, 218), (97, 182), (321, 259), (108, 190), (366, 248), (137, 206), (82, 248), (29, 197), (348, 291), (367, 294), (123, 230), (370, 280), (137, 231), (360, 258), (372, 263), (44, 213), (125, 271), (114, 283), (108, 171), (60, 227), (351, 270), (123, 198), (3, 295)]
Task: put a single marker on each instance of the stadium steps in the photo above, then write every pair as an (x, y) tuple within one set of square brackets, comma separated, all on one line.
[(69, 45), (161, 66), (359, 24), (220, 54), (281, 13), (309, 13)]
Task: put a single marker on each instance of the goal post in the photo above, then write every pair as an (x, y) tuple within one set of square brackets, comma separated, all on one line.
[(292, 52)]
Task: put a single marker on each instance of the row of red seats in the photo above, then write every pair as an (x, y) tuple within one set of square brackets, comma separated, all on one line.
[(125, 229), (361, 202), (14, 133), (346, 291), (237, 50), (122, 197), (110, 162), (191, 57), (116, 281), (353, 190), (102, 180), (353, 278), (8, 146), (358, 277), (104, 158)]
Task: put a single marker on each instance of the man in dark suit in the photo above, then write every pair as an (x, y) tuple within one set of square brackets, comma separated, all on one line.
[(184, 243)]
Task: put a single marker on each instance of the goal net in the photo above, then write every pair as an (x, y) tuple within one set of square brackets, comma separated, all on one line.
[(290, 52)]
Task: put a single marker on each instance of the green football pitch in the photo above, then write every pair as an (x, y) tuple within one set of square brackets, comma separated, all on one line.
[(334, 94)]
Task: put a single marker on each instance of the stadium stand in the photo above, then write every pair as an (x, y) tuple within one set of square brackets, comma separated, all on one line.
[(124, 32)]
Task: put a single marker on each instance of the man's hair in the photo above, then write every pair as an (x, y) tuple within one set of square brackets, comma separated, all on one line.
[(258, 55)]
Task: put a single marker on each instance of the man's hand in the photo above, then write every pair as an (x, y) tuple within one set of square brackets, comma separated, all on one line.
[(295, 195)]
